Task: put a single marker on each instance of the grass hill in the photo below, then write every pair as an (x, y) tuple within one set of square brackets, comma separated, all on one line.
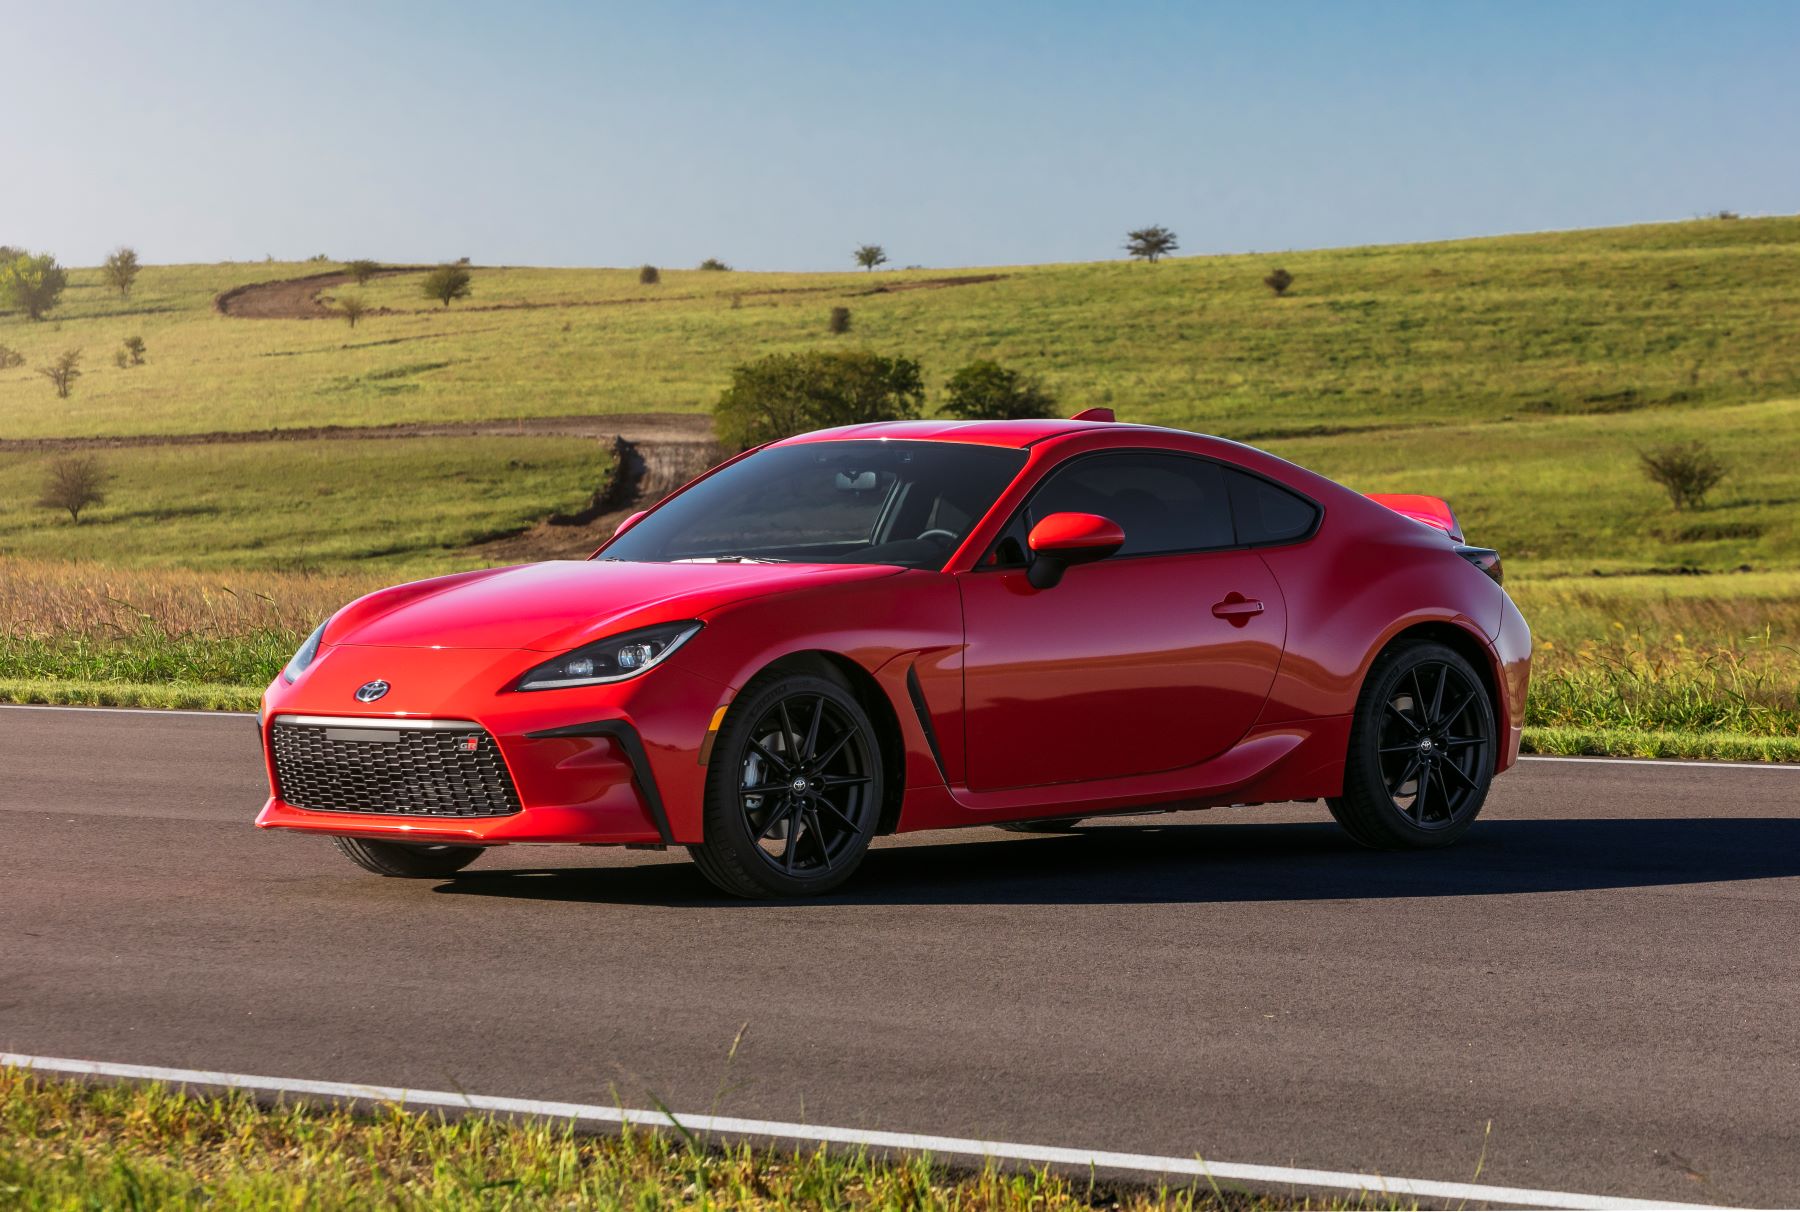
[(1519, 377)]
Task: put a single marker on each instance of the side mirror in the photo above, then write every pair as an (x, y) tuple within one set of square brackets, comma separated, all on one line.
[(629, 522), (1063, 539)]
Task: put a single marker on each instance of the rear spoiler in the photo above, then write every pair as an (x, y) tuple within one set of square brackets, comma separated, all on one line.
[(1435, 512)]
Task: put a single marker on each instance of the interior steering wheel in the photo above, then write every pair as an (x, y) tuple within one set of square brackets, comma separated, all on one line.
[(946, 537)]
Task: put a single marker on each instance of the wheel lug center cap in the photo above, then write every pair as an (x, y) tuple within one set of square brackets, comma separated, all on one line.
[(1425, 745), (800, 785)]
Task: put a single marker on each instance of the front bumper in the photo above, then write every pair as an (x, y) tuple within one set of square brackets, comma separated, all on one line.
[(601, 765)]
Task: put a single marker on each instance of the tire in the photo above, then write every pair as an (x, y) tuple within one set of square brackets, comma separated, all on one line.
[(1059, 824), (1421, 751), (766, 840), (407, 860)]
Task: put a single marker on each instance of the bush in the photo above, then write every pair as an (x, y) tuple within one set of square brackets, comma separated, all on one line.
[(121, 270), (445, 283), (63, 372), (649, 275), (1687, 471), (1149, 243), (840, 320), (134, 350), (987, 391), (32, 284), (714, 265), (1278, 281), (352, 308), (870, 255), (10, 357), (362, 270), (785, 394), (74, 482)]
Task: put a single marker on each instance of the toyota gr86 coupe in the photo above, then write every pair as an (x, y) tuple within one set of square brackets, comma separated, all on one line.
[(918, 625)]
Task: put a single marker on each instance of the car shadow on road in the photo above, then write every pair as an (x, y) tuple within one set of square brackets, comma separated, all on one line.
[(1199, 863)]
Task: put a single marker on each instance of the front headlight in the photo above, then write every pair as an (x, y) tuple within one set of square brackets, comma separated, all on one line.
[(610, 660), (309, 648)]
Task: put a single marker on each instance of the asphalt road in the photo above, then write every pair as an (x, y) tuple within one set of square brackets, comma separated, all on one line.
[(1599, 989)]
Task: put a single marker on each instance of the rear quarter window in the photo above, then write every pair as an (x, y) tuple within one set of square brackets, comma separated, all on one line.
[(1266, 513)]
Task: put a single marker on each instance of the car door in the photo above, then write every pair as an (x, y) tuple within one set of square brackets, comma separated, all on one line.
[(1153, 659)]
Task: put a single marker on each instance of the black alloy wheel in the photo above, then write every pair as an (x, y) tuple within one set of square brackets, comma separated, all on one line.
[(1421, 750), (793, 790)]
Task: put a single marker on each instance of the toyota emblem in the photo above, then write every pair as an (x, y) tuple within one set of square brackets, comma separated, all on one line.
[(368, 692)]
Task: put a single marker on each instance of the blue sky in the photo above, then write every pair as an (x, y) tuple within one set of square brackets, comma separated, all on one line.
[(780, 135)]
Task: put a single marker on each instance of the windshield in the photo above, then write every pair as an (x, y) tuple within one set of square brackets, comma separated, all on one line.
[(854, 502)]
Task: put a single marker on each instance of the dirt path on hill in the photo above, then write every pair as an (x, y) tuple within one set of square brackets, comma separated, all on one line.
[(293, 298)]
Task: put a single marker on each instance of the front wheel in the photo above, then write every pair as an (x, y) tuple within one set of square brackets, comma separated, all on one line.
[(793, 790), (1421, 751), (407, 860)]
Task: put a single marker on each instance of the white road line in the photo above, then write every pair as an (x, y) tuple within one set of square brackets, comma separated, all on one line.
[(1615, 761), (124, 710), (939, 1146)]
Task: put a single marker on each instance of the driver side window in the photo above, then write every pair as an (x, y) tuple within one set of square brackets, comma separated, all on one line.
[(1164, 503)]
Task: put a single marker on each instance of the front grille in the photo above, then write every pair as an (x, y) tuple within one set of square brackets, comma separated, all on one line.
[(444, 769)]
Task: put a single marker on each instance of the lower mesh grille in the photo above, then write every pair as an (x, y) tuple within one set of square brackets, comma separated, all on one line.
[(448, 769)]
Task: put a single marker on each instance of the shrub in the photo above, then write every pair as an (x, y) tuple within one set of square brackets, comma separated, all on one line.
[(445, 283), (840, 320), (32, 284), (10, 357), (785, 394), (1149, 243), (362, 270), (649, 275), (352, 308), (121, 270), (1278, 281), (1687, 471), (714, 265), (987, 391), (73, 483), (134, 350), (870, 255), (63, 372)]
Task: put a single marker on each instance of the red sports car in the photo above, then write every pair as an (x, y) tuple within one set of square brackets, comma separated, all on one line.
[(918, 625)]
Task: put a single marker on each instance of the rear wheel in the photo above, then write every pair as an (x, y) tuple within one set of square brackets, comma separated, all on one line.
[(407, 860), (793, 790), (1421, 751)]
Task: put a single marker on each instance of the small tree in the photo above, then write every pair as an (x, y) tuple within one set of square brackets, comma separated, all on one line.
[(785, 394), (361, 270), (870, 255), (73, 483), (840, 320), (1278, 281), (714, 265), (447, 282), (121, 269), (1687, 471), (32, 284), (649, 275), (1150, 243), (987, 391), (352, 308), (134, 350), (63, 372), (10, 357)]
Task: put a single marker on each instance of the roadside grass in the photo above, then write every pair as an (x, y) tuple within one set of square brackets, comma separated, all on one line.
[(1671, 317), (69, 1145), (323, 504)]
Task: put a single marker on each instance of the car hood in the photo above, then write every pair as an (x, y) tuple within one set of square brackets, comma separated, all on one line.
[(562, 604)]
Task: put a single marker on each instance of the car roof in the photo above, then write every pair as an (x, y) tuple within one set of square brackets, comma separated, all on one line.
[(1016, 434)]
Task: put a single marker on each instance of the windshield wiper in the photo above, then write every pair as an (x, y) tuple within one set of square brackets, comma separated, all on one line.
[(731, 559)]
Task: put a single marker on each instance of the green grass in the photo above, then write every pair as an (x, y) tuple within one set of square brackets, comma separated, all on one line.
[(65, 1145), (1671, 317), (413, 503)]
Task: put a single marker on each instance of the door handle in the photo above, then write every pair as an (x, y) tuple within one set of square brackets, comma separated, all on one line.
[(1237, 609)]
